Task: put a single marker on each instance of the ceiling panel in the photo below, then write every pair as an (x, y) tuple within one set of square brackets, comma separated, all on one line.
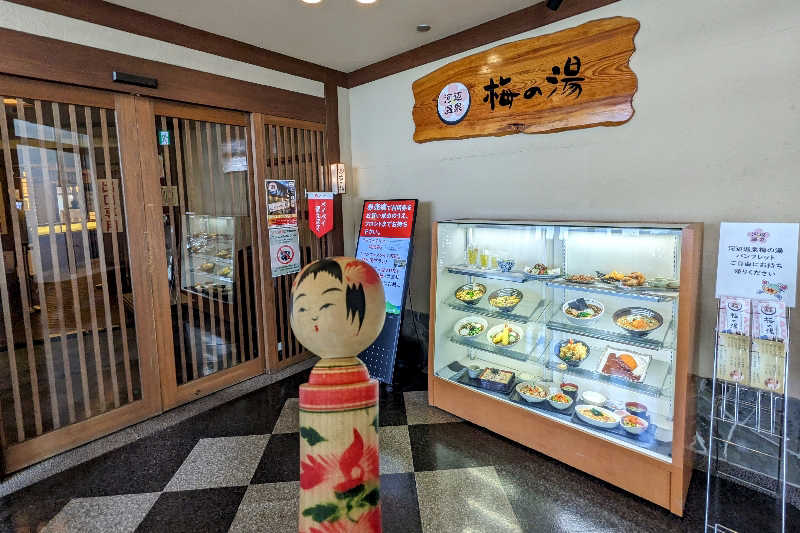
[(340, 34)]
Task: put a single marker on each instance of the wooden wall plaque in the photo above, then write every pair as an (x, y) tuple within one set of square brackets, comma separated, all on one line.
[(575, 78)]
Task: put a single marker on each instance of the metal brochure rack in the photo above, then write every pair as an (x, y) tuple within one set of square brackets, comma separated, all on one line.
[(757, 410)]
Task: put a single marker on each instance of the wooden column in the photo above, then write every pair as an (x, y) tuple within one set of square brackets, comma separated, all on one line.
[(334, 156)]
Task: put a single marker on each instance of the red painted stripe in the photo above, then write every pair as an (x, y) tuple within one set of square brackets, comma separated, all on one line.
[(333, 398), (338, 375)]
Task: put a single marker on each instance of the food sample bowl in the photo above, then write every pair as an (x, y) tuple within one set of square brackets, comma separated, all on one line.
[(474, 371), (637, 429), (612, 422), (560, 405), (494, 330), (470, 293), (571, 362), (636, 409), (461, 324), (585, 321), (529, 397), (505, 300), (593, 398), (570, 389), (629, 313)]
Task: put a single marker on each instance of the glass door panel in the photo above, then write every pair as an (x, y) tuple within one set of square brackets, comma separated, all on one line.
[(68, 336), (210, 255)]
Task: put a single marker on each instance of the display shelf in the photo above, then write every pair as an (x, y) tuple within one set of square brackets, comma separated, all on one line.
[(644, 441), (529, 309), (652, 385), (211, 257), (515, 276), (649, 295), (657, 340), (521, 351)]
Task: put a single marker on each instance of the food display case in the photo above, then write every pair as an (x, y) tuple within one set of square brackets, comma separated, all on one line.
[(208, 264), (575, 339)]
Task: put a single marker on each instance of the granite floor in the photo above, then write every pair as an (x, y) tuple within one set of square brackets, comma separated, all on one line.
[(235, 468)]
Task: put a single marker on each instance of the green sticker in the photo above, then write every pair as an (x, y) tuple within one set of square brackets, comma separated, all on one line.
[(163, 138)]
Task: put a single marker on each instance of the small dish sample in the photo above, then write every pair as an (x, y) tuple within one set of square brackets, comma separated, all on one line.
[(531, 393), (570, 389), (560, 401), (471, 293), (583, 279), (505, 264), (505, 300), (593, 398), (471, 326), (474, 371), (633, 424), (597, 416), (636, 408)]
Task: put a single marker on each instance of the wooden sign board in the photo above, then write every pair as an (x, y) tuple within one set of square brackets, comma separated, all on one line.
[(576, 78)]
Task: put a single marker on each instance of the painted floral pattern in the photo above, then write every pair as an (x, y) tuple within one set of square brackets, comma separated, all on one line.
[(352, 481)]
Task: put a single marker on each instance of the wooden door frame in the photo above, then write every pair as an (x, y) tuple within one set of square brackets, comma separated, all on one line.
[(172, 393), (26, 453)]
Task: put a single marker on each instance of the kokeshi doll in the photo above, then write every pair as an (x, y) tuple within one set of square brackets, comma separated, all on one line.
[(337, 311)]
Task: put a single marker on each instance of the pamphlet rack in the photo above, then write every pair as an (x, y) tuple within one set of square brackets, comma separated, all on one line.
[(760, 411)]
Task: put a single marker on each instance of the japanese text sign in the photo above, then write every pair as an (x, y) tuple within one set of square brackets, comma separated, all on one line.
[(758, 260), (284, 249), (387, 227), (281, 203), (320, 212), (574, 78), (110, 203)]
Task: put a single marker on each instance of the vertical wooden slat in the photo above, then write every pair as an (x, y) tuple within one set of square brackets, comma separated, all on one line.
[(197, 163), (101, 250), (10, 344), (115, 251), (87, 264), (273, 133), (306, 172), (39, 282), (237, 284), (73, 269), (20, 260), (211, 307), (178, 160), (226, 346), (287, 280), (176, 255), (49, 208)]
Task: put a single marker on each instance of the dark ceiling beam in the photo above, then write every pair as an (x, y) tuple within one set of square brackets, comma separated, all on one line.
[(144, 24), (520, 21)]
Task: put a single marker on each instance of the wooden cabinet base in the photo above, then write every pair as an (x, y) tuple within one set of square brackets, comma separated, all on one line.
[(648, 477)]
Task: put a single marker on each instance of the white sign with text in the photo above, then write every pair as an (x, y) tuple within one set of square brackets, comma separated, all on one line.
[(758, 260)]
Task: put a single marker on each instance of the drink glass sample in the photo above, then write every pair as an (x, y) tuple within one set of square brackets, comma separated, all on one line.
[(484, 258), (472, 255)]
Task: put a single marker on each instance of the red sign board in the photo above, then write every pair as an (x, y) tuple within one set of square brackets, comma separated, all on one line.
[(388, 218), (320, 212)]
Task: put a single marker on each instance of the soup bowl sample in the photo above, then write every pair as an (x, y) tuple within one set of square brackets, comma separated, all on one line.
[(560, 401), (583, 311), (504, 335), (633, 424), (572, 352), (638, 321), (471, 326), (470, 293), (505, 300)]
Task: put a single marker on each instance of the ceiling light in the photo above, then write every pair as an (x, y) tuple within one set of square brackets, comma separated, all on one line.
[(366, 2), (312, 1), (422, 28)]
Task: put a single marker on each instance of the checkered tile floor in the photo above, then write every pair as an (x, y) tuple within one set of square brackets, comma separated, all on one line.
[(235, 468)]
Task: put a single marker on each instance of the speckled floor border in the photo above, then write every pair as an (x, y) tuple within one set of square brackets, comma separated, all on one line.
[(96, 448)]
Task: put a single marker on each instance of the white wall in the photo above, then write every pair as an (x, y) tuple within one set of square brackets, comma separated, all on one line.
[(35, 21), (714, 137)]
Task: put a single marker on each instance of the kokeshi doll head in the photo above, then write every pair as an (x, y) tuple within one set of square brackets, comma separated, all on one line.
[(337, 306)]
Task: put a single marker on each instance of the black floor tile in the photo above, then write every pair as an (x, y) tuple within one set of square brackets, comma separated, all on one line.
[(399, 505), (281, 460), (461, 445), (208, 510), (551, 497), (392, 408)]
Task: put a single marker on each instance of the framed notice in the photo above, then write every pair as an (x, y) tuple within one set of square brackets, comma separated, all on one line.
[(758, 260), (281, 203), (386, 242)]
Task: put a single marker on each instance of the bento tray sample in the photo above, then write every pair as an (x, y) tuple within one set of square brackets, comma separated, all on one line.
[(490, 385), (642, 361)]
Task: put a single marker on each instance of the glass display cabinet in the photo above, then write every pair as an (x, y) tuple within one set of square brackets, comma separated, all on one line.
[(208, 264), (575, 339)]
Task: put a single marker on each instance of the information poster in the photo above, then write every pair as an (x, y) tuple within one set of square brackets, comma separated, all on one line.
[(385, 242), (284, 240), (281, 203), (758, 260)]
